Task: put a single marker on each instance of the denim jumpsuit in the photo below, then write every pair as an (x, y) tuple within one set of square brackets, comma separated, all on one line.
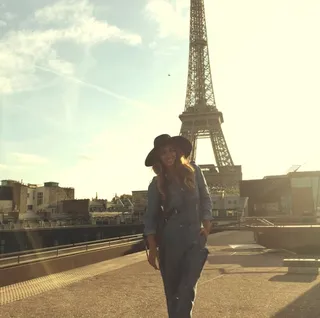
[(182, 252)]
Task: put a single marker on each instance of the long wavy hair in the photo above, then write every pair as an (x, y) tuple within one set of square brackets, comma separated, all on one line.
[(183, 172)]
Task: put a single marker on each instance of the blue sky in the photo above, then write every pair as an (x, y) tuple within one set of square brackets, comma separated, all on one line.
[(85, 88)]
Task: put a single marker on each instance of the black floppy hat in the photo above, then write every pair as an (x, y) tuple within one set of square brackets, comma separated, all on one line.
[(181, 142)]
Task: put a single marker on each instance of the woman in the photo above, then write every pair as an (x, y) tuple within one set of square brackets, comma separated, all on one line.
[(177, 221)]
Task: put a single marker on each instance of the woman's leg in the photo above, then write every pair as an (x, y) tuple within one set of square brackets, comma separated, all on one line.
[(192, 267), (171, 277), (170, 288), (170, 282)]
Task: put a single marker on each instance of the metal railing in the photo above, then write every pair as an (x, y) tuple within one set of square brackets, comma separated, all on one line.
[(45, 249), (38, 224), (277, 220), (25, 257)]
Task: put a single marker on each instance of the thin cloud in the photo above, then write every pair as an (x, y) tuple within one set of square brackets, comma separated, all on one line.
[(27, 158), (9, 16), (21, 50), (86, 157), (62, 67), (171, 17), (13, 167), (81, 25), (96, 87)]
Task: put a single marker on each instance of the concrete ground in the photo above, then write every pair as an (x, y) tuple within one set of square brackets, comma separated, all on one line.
[(240, 279)]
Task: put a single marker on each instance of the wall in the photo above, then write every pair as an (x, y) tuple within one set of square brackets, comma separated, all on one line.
[(74, 208), (6, 199), (228, 202), (23, 199), (302, 201), (51, 196), (267, 196), (20, 197), (98, 205), (57, 194), (5, 206), (31, 199), (140, 200), (26, 239), (225, 177), (16, 192), (296, 194), (15, 274), (228, 205), (305, 189), (6, 193)]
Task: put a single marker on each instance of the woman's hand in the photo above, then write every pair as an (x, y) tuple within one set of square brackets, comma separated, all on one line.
[(206, 228), (153, 258), (204, 232)]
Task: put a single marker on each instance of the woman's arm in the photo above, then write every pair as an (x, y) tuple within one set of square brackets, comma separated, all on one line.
[(151, 214), (205, 200)]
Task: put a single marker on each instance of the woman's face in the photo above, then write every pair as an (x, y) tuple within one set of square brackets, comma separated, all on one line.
[(168, 155)]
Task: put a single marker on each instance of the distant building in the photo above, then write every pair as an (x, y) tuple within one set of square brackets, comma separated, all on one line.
[(25, 199), (295, 194), (228, 205), (40, 197), (225, 177), (223, 205), (13, 195), (74, 208), (6, 199), (140, 201), (98, 205)]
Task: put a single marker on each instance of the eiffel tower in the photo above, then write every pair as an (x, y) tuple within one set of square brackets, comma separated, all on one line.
[(201, 118)]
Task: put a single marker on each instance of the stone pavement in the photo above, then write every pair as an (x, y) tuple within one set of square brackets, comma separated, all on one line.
[(240, 279)]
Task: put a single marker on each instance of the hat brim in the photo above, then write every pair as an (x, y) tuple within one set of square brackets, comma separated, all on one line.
[(181, 142)]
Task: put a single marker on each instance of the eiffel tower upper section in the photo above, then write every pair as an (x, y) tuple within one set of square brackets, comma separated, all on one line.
[(199, 89), (201, 117)]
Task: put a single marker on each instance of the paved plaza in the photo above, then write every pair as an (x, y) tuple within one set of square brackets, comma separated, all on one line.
[(240, 279)]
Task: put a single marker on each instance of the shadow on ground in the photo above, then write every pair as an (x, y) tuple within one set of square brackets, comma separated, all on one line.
[(231, 237), (307, 305), (135, 248), (294, 278), (226, 271), (257, 260)]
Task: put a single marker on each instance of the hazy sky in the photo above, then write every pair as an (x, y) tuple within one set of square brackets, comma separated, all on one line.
[(85, 88)]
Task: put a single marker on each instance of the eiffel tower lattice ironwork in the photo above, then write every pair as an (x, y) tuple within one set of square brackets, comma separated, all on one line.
[(201, 118)]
